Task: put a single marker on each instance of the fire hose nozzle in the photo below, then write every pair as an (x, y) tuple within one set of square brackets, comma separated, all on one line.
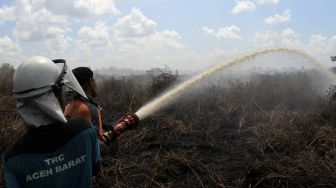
[(128, 121)]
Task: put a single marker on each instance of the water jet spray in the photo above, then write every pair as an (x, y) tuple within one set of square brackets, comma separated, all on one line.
[(167, 97)]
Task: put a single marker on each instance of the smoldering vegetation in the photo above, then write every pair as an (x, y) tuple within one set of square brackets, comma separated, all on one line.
[(268, 130)]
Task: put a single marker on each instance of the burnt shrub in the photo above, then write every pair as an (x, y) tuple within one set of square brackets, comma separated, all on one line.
[(161, 79), (6, 78)]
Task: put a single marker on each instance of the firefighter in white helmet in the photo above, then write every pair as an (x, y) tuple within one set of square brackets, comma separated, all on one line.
[(54, 151)]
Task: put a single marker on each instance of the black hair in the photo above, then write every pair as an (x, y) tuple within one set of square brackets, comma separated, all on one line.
[(83, 75)]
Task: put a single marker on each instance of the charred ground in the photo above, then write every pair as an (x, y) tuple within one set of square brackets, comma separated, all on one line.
[(270, 131)]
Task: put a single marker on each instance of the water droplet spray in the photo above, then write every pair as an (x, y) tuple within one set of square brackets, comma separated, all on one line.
[(167, 97)]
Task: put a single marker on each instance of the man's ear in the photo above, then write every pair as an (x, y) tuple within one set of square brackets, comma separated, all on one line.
[(91, 82)]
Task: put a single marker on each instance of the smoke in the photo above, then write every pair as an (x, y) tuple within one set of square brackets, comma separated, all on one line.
[(166, 98)]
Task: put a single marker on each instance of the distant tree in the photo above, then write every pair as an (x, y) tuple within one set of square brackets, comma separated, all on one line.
[(6, 78)]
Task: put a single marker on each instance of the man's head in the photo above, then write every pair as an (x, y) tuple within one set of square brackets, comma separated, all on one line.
[(38, 85), (85, 78)]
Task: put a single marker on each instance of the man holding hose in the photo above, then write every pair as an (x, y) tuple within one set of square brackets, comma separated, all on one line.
[(54, 151), (86, 107)]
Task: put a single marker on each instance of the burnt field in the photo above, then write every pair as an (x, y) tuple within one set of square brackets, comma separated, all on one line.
[(271, 130)]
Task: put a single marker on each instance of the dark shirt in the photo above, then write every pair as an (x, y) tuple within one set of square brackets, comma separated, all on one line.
[(56, 155)]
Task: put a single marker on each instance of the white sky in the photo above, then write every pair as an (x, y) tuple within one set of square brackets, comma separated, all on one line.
[(182, 34)]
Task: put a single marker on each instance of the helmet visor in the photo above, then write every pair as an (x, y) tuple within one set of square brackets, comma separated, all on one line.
[(68, 78)]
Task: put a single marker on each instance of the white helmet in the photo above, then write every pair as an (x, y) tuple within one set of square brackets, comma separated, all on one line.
[(40, 75)]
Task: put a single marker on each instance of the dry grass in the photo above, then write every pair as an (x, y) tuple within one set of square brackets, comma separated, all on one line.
[(267, 132)]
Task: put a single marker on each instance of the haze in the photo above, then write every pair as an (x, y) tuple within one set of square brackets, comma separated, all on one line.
[(143, 34)]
